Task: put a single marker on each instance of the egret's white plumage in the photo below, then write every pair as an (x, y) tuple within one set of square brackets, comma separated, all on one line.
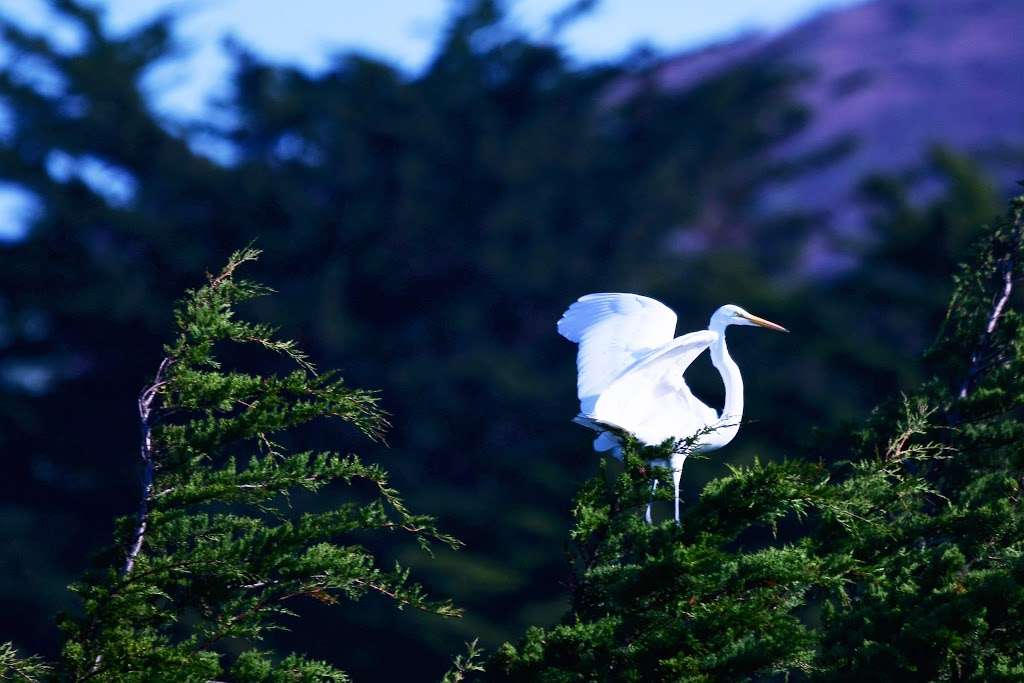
[(630, 372), (613, 331)]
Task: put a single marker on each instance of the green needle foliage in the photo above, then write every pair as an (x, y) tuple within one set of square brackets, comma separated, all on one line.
[(16, 668), (692, 601), (939, 593), (217, 554), (902, 560)]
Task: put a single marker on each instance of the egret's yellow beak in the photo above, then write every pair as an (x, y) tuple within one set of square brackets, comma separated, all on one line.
[(761, 322)]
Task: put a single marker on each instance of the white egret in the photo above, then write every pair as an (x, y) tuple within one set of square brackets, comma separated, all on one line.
[(630, 373)]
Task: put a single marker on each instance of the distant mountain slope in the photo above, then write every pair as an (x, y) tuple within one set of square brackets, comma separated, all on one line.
[(886, 81)]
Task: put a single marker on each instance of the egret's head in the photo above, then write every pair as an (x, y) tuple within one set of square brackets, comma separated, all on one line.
[(731, 314)]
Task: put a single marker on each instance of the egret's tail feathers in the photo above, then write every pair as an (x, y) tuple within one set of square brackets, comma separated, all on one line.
[(588, 422), (597, 425), (609, 437)]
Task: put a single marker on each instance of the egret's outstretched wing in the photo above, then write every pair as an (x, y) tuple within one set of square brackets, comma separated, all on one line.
[(651, 399), (613, 331)]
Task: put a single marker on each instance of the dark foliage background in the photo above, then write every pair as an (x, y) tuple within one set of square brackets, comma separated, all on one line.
[(424, 234)]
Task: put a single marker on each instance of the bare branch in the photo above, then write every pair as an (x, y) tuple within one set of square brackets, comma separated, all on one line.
[(1007, 266), (146, 399)]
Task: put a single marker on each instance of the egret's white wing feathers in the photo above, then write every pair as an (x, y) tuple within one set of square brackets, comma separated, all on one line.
[(613, 331), (650, 398)]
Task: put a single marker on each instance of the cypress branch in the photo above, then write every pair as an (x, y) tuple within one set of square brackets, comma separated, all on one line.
[(216, 552)]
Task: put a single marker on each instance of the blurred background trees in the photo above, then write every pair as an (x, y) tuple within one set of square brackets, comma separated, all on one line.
[(425, 232)]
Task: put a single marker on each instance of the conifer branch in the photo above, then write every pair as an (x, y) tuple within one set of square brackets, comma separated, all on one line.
[(465, 664), (215, 534), (145, 408), (16, 668), (1007, 265)]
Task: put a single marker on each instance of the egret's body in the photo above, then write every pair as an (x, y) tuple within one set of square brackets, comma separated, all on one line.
[(630, 373)]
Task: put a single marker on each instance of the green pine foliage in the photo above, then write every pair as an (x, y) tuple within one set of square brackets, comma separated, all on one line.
[(218, 553), (18, 668), (724, 594), (901, 559), (940, 587), (462, 665)]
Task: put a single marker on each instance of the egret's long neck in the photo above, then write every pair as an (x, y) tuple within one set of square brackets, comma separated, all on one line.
[(732, 412)]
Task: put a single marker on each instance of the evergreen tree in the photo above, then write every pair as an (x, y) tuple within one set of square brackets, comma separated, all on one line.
[(219, 551), (939, 588)]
